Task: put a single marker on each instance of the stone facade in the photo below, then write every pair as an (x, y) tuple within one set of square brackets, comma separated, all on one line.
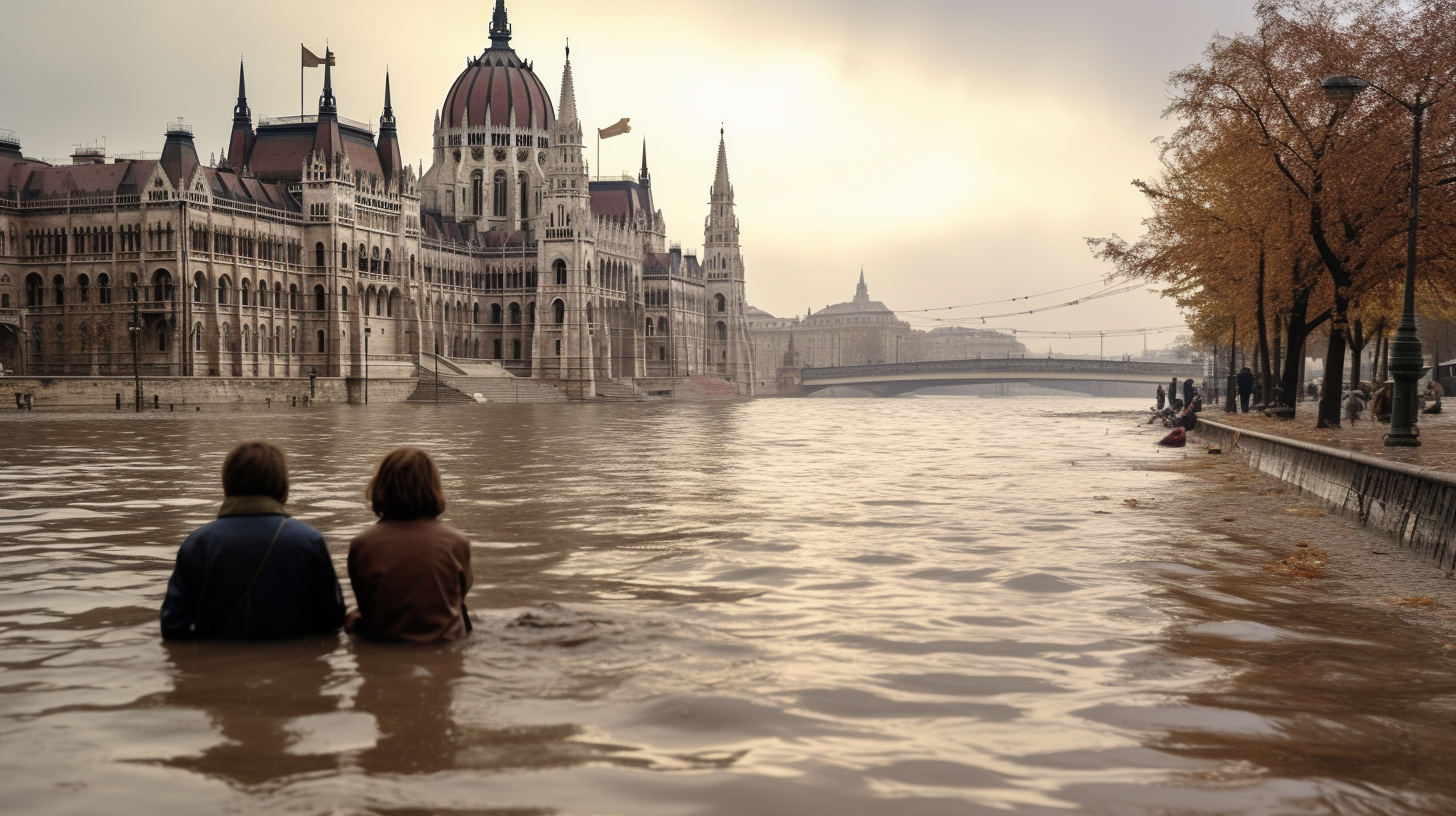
[(309, 247), (859, 332)]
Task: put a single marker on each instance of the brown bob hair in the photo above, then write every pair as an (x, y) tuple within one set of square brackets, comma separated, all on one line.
[(406, 486), (255, 468)]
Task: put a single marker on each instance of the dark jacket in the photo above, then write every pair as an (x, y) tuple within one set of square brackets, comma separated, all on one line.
[(229, 584), (1246, 382), (410, 579)]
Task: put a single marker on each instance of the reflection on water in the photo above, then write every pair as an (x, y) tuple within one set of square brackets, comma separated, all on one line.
[(793, 606)]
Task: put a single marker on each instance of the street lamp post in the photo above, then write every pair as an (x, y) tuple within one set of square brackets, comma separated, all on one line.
[(1406, 360)]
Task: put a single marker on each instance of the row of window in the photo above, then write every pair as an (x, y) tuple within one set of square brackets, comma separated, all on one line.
[(88, 240)]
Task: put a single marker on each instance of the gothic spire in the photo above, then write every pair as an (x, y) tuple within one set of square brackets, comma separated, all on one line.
[(643, 177), (568, 91), (721, 187), (387, 122), (327, 104), (241, 111), (500, 27)]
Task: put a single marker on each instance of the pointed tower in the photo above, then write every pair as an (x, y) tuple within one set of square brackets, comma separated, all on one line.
[(500, 27), (326, 140), (389, 158), (728, 339), (861, 292), (644, 178), (564, 341), (240, 144)]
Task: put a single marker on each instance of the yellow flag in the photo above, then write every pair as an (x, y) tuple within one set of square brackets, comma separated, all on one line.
[(615, 130)]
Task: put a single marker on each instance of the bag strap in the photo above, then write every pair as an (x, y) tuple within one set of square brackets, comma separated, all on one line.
[(247, 593)]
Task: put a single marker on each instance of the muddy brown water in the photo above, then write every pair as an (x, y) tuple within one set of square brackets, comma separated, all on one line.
[(910, 606)]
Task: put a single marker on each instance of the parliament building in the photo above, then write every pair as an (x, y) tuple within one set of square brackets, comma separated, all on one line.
[(311, 248)]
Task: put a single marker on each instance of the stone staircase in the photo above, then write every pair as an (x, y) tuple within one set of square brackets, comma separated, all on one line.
[(618, 391), (432, 390), (507, 389), (712, 387)]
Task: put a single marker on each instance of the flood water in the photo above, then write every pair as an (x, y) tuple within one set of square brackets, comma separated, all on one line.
[(906, 606)]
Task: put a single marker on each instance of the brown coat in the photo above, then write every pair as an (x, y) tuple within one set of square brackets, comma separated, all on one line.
[(410, 579)]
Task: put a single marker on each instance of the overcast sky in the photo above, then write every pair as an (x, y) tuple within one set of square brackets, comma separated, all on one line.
[(959, 149)]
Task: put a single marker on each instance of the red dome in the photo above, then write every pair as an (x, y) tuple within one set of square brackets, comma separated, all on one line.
[(501, 82)]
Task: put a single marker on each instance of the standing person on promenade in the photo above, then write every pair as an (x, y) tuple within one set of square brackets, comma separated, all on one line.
[(1188, 390), (410, 571), (1162, 397), (254, 573), (1246, 388)]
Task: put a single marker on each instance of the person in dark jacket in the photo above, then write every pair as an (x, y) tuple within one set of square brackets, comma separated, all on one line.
[(1246, 388), (254, 573), (1162, 398), (410, 571), (1188, 390)]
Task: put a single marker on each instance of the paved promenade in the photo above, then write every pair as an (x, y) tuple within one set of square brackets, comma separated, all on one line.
[(1438, 435)]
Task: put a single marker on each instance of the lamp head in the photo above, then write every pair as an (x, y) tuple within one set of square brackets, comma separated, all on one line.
[(1343, 89)]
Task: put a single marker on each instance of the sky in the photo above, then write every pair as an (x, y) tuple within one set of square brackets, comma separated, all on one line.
[(959, 151)]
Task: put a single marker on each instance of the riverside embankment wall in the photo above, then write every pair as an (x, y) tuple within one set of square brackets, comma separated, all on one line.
[(100, 392), (1413, 504)]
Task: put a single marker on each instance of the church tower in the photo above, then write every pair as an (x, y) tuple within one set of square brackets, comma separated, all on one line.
[(728, 342), (240, 143), (563, 341)]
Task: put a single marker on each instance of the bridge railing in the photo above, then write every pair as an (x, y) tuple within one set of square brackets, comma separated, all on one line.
[(1009, 365)]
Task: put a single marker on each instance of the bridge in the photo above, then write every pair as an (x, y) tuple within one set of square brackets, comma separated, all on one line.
[(889, 379)]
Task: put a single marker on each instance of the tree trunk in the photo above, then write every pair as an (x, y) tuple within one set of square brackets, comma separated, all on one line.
[(1329, 404), (1278, 369), (1231, 403), (1357, 349), (1266, 376)]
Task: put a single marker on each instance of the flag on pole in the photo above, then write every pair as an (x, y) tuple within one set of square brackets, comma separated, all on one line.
[(615, 130), (312, 60)]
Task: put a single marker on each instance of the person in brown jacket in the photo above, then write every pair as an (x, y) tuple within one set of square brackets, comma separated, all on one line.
[(410, 571)]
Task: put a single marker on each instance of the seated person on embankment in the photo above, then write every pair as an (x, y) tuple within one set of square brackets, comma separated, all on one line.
[(410, 571), (254, 573)]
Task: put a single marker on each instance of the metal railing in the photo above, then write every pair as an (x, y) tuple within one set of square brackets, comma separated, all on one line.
[(1010, 365)]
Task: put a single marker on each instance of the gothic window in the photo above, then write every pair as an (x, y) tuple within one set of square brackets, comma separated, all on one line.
[(477, 191), (363, 258), (558, 348), (320, 301), (495, 313), (498, 194), (515, 314), (60, 287), (277, 295), (531, 313), (244, 288), (103, 288), (662, 326), (222, 291), (662, 352), (197, 337), (389, 304), (244, 332), (721, 302), (293, 340), (558, 311), (293, 297), (343, 256), (83, 287), (524, 183), (374, 261), (560, 267), (320, 338), (386, 263), (588, 273), (648, 328), (343, 298), (33, 288), (318, 254), (198, 285), (161, 286), (515, 349), (722, 331)]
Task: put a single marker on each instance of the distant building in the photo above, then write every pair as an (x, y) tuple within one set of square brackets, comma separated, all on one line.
[(860, 332)]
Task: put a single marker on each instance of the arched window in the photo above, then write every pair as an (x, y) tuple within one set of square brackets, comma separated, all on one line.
[(363, 258), (343, 256), (293, 296), (412, 267), (318, 254), (386, 263), (558, 310), (515, 314), (389, 304), (475, 312), (560, 267), (222, 291), (477, 192), (343, 298), (132, 284), (320, 337), (722, 302), (374, 260), (495, 313), (588, 273), (531, 313), (59, 283), (662, 326), (293, 340), (320, 301), (103, 288), (161, 286), (243, 290), (278, 296), (722, 331), (83, 288), (498, 194), (244, 332), (197, 337), (648, 327), (524, 183), (33, 289), (199, 285)]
